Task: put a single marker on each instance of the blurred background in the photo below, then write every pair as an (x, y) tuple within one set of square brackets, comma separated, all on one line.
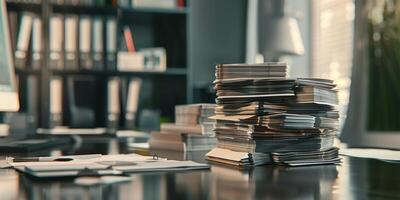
[(125, 64)]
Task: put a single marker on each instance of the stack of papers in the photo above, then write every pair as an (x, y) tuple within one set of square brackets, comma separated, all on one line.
[(193, 130), (272, 119), (101, 165), (234, 71), (195, 115)]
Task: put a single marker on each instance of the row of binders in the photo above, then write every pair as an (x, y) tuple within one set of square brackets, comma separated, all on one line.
[(121, 104), (75, 42), (263, 117)]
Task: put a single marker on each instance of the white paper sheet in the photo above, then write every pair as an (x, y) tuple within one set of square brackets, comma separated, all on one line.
[(381, 154)]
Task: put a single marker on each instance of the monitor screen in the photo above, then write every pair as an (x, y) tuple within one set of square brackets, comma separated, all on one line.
[(8, 92), (6, 83)]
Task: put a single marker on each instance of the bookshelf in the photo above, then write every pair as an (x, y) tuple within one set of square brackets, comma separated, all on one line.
[(196, 38), (162, 90)]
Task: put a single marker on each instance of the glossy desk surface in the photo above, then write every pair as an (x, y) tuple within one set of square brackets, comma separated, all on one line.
[(355, 178)]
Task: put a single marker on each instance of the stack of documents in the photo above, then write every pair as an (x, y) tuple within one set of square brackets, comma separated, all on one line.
[(194, 115), (272, 119), (98, 165), (192, 130), (233, 71)]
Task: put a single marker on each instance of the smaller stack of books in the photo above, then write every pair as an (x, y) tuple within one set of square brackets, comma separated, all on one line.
[(192, 130)]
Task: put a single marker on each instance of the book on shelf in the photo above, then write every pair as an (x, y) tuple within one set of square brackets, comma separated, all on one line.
[(97, 44), (71, 42), (111, 43), (56, 35), (56, 102), (37, 42), (132, 102), (23, 40), (85, 47), (113, 103)]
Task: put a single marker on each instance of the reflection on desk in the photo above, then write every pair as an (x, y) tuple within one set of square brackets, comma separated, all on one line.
[(356, 178)]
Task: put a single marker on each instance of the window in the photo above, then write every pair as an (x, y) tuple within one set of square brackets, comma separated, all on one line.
[(332, 39)]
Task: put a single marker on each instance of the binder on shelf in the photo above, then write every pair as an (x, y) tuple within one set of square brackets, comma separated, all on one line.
[(24, 35), (113, 103), (71, 38), (13, 21), (111, 44), (97, 44), (37, 48), (56, 101), (56, 42), (85, 30), (132, 103), (32, 101)]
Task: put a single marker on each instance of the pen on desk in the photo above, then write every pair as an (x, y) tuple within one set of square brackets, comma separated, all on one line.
[(59, 158), (40, 159)]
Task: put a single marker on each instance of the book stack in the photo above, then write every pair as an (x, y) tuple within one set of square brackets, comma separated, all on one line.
[(263, 117), (192, 130)]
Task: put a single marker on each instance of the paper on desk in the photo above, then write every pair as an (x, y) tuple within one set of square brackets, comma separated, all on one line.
[(89, 181), (381, 154), (85, 162), (166, 165)]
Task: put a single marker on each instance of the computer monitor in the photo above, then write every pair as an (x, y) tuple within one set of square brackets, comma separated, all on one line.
[(8, 90)]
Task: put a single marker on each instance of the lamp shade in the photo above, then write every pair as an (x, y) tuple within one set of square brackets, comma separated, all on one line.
[(285, 37)]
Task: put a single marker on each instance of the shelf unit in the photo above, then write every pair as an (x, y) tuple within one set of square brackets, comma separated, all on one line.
[(159, 83), (197, 37)]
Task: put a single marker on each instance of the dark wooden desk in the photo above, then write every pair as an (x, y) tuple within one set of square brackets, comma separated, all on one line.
[(356, 178)]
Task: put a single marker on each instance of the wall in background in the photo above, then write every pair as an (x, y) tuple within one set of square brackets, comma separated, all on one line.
[(218, 30)]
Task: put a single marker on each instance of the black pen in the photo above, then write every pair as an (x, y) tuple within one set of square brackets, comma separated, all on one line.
[(59, 159)]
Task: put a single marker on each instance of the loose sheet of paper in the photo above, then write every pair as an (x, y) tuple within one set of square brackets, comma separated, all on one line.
[(381, 154)]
